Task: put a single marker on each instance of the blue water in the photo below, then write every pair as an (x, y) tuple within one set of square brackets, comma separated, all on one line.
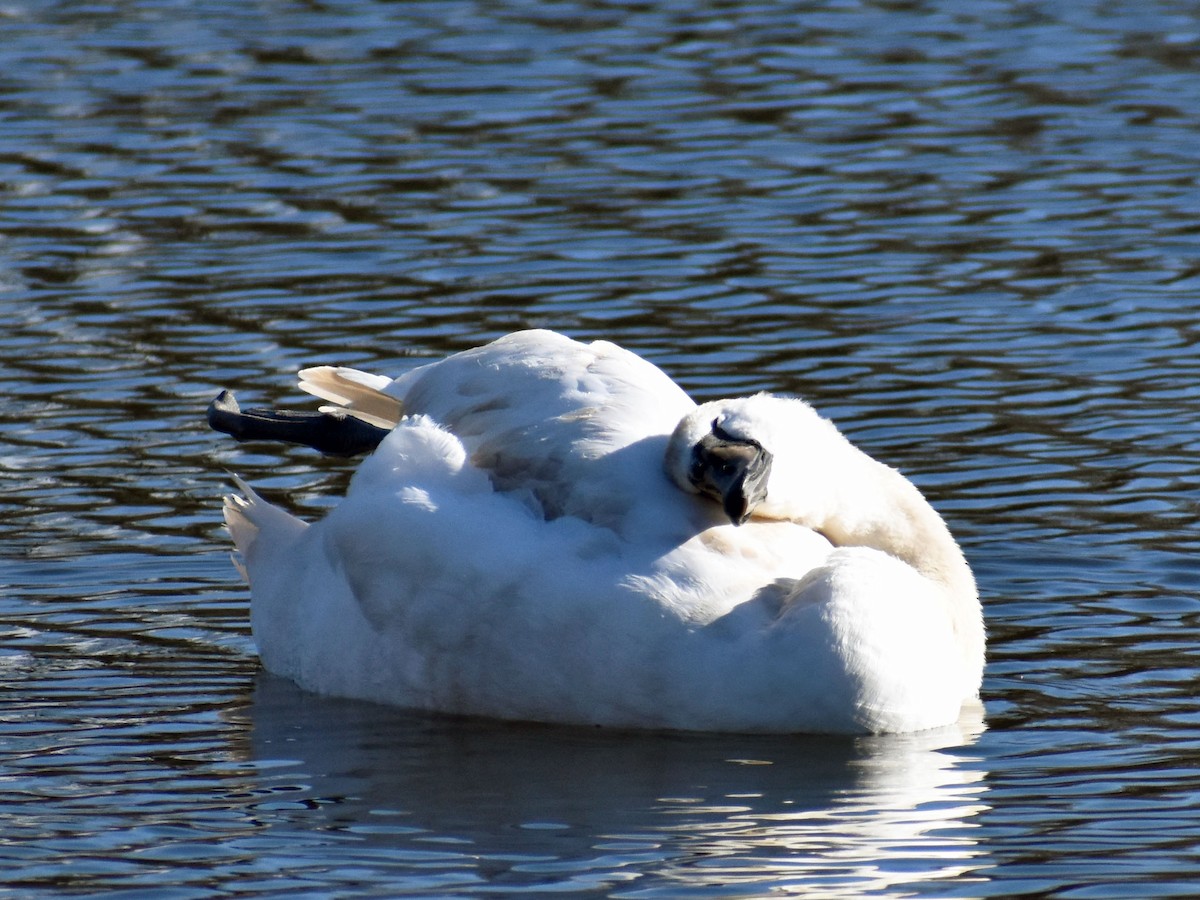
[(964, 230)]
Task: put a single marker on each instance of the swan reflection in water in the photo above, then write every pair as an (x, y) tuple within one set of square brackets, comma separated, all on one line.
[(425, 801)]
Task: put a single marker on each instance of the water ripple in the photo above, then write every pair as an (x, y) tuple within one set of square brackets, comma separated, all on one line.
[(964, 230)]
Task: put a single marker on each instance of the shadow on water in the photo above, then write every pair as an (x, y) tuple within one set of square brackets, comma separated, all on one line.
[(526, 806)]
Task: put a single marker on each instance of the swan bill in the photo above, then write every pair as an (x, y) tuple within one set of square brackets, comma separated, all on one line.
[(731, 470)]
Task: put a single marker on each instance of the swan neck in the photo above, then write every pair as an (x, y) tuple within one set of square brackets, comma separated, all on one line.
[(883, 510), (890, 514)]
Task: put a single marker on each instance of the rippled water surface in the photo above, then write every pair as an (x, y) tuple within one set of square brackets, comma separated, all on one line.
[(965, 230)]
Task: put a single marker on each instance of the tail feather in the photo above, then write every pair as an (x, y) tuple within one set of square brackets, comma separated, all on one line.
[(358, 393), (247, 517)]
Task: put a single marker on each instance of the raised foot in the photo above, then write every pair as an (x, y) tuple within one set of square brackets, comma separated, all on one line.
[(332, 433)]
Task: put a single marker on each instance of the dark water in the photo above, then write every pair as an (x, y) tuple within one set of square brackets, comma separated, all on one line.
[(966, 230)]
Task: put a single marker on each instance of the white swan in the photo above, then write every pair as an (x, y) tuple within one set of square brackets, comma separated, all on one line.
[(512, 548)]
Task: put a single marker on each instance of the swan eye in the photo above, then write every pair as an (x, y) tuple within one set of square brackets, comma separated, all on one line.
[(699, 465)]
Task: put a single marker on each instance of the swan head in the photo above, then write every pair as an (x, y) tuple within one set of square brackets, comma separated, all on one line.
[(729, 450)]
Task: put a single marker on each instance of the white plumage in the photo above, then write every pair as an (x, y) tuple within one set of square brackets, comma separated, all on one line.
[(533, 541)]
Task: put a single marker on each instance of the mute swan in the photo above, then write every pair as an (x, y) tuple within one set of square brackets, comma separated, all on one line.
[(512, 547)]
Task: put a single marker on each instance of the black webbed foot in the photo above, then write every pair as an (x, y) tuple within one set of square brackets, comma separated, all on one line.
[(332, 433)]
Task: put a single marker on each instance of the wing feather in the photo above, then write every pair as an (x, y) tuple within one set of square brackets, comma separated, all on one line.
[(360, 394)]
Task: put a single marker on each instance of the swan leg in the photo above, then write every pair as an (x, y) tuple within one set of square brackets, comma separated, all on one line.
[(333, 433)]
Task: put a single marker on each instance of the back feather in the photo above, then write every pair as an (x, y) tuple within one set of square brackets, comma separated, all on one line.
[(358, 393)]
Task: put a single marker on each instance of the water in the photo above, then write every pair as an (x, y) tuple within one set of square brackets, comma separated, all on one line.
[(967, 231)]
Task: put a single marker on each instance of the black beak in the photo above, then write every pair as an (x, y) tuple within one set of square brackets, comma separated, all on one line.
[(731, 470)]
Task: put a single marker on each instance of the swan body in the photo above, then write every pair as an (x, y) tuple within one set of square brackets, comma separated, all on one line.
[(536, 538)]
